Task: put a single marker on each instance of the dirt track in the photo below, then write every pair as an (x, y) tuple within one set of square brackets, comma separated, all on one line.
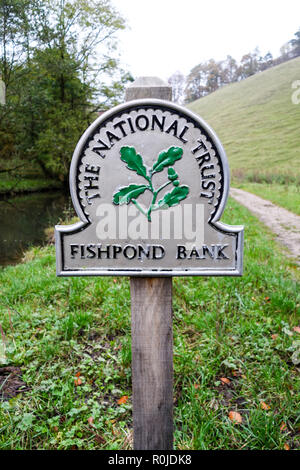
[(283, 223)]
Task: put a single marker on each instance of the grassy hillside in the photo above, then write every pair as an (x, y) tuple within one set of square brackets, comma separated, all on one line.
[(258, 124)]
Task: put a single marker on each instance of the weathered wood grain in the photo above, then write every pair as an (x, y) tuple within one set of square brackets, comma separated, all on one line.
[(152, 363)]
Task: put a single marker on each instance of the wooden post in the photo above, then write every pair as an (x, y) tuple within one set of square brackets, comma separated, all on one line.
[(152, 333), (152, 363)]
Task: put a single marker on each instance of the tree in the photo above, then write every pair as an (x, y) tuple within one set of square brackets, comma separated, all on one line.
[(230, 68), (82, 30), (50, 120), (213, 76), (295, 43), (59, 66), (204, 79), (249, 64), (177, 81), (265, 62), (285, 52), (13, 28), (268, 60), (195, 84)]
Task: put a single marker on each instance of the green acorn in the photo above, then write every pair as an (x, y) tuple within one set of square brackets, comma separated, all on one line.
[(172, 175)]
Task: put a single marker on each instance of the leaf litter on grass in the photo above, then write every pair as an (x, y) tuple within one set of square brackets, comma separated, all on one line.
[(11, 383)]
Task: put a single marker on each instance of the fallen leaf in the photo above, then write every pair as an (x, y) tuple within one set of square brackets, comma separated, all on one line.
[(99, 439), (283, 427), (297, 329), (91, 421), (286, 447), (122, 400), (235, 417), (224, 380), (77, 382), (264, 406)]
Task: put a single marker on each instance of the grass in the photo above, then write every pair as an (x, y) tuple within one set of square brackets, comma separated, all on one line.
[(17, 176), (235, 328), (282, 195), (257, 122)]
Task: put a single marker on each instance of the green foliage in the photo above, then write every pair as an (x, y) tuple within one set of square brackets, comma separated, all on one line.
[(135, 162), (174, 197), (295, 43), (167, 158), (57, 77), (125, 195)]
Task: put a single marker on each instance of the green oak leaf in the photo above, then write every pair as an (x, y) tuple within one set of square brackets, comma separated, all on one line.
[(173, 197), (167, 158), (134, 161), (126, 194)]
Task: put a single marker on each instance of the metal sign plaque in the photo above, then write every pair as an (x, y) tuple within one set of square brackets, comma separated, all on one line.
[(149, 181)]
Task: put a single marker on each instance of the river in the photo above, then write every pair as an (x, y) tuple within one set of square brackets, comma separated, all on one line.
[(24, 220)]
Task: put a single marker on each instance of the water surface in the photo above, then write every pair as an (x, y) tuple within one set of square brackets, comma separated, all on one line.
[(24, 220)]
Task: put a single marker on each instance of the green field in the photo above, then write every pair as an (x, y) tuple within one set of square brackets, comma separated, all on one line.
[(236, 348), (257, 122)]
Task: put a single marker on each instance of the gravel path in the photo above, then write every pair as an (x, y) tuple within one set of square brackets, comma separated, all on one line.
[(282, 222)]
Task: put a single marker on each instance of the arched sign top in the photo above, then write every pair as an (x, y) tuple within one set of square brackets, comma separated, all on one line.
[(106, 131), (149, 181)]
